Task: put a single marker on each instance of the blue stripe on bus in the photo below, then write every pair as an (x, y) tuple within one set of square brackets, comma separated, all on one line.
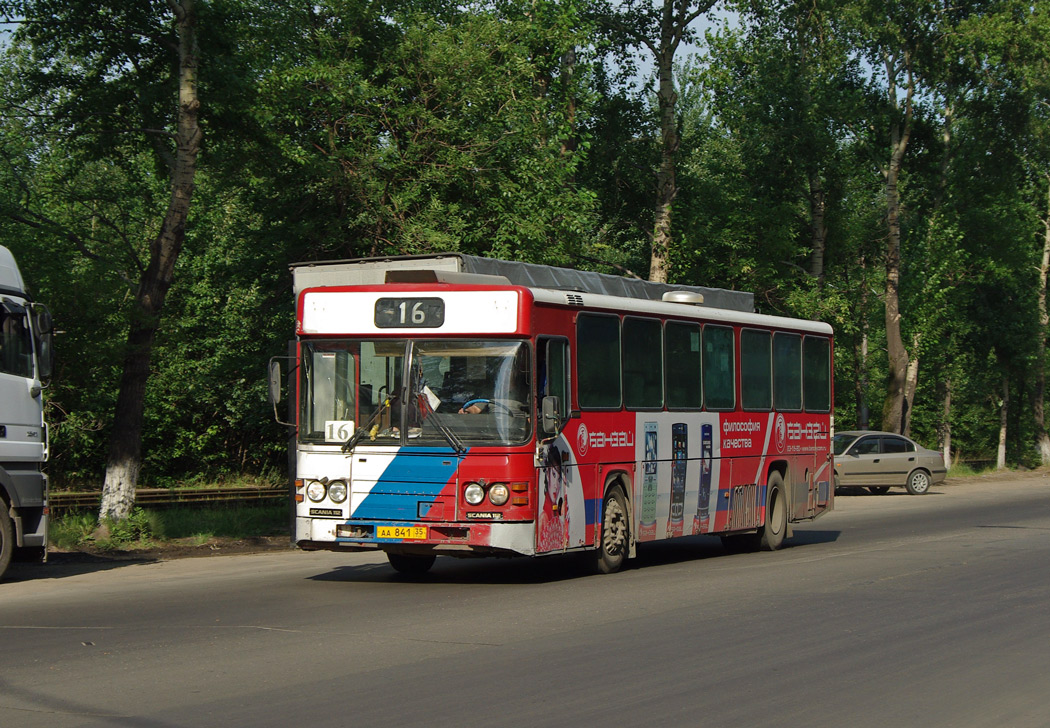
[(422, 474)]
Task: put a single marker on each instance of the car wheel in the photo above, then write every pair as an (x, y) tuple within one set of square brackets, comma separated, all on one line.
[(918, 482), (879, 489)]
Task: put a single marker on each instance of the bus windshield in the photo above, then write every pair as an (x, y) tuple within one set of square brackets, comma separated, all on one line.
[(458, 393)]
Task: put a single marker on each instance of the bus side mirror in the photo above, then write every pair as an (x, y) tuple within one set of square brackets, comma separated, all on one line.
[(275, 382), (551, 421)]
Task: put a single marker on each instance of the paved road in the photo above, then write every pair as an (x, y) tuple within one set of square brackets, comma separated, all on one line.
[(891, 611)]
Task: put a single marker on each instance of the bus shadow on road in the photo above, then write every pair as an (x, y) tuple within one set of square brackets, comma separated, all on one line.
[(551, 569), (447, 570), (699, 548)]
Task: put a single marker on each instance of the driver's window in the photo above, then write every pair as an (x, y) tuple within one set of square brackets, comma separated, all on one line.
[(554, 374), (867, 446)]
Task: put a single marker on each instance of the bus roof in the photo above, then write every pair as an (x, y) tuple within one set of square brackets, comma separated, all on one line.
[(670, 308), (371, 271)]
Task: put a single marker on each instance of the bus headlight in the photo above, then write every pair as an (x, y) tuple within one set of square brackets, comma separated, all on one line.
[(316, 491), (337, 491), (473, 494), (499, 494)]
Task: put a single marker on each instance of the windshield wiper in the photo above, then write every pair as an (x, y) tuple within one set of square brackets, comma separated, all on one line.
[(443, 428), (370, 428)]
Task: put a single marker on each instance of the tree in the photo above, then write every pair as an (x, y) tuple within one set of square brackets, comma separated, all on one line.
[(94, 73), (453, 136), (898, 42), (661, 28)]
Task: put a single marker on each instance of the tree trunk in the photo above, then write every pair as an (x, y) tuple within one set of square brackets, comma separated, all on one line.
[(666, 185), (893, 414), (946, 424), (818, 227), (911, 383), (1004, 408), (1038, 403), (900, 132), (861, 356), (125, 449)]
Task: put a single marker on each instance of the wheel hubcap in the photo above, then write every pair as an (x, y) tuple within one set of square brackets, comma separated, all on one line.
[(615, 535)]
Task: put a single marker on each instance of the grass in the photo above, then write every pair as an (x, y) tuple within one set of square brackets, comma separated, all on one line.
[(150, 528), (961, 470)]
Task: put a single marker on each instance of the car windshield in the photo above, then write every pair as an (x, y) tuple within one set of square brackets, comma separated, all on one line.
[(459, 392), (840, 443)]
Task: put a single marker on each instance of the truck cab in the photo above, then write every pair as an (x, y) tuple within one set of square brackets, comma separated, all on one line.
[(25, 366)]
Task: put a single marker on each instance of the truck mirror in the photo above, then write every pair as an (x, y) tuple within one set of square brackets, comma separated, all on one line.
[(42, 322), (275, 382), (551, 420), (43, 334)]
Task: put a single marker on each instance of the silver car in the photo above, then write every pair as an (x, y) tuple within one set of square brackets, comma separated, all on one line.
[(879, 461)]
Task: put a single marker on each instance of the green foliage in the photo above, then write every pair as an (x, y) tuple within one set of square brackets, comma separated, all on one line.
[(139, 526), (234, 522), (147, 526), (344, 128), (71, 530)]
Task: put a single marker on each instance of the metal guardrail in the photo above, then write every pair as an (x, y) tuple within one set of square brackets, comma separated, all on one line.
[(167, 497)]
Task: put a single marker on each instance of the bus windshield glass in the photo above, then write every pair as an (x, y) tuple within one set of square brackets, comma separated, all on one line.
[(457, 392)]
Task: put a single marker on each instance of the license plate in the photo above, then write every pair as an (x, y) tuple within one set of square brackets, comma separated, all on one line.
[(414, 533)]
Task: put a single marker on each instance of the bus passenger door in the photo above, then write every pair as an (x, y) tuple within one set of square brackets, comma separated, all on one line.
[(561, 518)]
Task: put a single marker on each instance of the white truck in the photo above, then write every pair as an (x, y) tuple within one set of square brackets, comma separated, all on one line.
[(25, 366)]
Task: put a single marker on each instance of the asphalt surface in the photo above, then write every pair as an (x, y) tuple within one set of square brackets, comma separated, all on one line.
[(892, 610)]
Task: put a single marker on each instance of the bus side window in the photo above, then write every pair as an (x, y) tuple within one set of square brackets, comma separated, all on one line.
[(553, 370), (787, 372), (719, 368), (643, 365), (598, 361)]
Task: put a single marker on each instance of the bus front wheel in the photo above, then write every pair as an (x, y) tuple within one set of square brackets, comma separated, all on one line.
[(612, 549), (411, 564)]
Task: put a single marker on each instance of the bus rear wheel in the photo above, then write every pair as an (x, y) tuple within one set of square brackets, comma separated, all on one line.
[(771, 535), (411, 564), (612, 550)]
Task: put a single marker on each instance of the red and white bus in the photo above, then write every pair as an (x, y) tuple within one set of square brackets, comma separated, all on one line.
[(464, 406)]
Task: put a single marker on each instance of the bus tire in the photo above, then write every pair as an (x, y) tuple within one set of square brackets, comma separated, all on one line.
[(612, 548), (7, 537), (771, 535), (411, 564)]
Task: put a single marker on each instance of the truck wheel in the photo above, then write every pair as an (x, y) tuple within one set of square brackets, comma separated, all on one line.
[(411, 564), (771, 535), (7, 538), (612, 549)]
